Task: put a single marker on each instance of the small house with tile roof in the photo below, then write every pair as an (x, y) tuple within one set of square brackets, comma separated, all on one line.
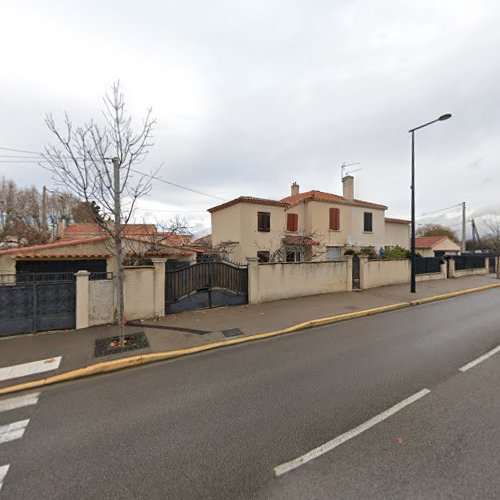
[(313, 225), (88, 247), (436, 246)]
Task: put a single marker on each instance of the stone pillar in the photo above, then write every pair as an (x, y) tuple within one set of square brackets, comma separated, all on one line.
[(451, 268), (253, 280), (159, 286), (487, 265), (348, 261), (363, 271), (444, 270), (82, 299)]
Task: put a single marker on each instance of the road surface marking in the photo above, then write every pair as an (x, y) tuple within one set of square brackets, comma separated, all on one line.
[(330, 445), (13, 431), (480, 359), (43, 365), (19, 402), (3, 473)]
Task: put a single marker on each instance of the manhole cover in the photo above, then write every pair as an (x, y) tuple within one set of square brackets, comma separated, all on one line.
[(232, 332)]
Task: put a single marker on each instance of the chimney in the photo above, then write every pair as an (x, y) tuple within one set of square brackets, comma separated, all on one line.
[(60, 228), (295, 189), (348, 188)]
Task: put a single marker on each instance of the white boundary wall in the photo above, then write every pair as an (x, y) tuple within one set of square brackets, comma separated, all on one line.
[(275, 281)]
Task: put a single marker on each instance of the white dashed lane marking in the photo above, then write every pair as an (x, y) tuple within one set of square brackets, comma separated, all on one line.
[(25, 369), (480, 359), (3, 473), (13, 431), (19, 402), (330, 445)]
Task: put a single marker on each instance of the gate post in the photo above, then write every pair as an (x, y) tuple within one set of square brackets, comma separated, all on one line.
[(363, 271), (82, 299), (159, 286), (444, 270), (348, 261), (487, 265), (451, 268), (253, 280)]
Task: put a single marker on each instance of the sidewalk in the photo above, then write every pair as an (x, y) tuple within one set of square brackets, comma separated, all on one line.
[(190, 329)]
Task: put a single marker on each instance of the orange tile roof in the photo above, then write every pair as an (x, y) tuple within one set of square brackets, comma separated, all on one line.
[(251, 200), (64, 256), (290, 201), (329, 197), (47, 246), (39, 249), (428, 241), (78, 231)]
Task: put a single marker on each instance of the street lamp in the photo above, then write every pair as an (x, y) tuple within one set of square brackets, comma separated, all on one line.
[(442, 118)]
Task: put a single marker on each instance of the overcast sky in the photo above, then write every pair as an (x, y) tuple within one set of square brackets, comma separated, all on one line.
[(253, 95)]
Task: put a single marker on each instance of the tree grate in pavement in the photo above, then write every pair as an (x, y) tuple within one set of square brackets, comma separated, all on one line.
[(232, 332), (111, 345)]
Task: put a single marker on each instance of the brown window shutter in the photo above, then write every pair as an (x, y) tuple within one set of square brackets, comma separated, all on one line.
[(292, 222), (335, 219)]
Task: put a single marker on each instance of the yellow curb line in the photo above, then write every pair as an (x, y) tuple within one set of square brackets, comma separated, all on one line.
[(120, 364)]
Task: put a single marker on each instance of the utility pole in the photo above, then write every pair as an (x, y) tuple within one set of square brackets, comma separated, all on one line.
[(118, 250), (463, 226), (44, 211)]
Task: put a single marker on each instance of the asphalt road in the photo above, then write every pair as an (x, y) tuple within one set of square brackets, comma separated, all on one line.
[(216, 425)]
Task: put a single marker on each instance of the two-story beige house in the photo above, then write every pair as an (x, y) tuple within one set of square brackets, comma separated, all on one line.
[(314, 225)]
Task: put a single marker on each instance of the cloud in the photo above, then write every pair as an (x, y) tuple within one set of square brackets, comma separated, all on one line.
[(251, 96)]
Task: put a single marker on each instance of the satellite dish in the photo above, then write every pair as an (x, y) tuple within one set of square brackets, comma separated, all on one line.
[(351, 241)]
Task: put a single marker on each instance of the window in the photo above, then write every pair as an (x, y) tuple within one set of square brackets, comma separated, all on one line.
[(263, 256), (335, 219), (333, 253), (294, 256), (292, 222), (263, 221), (368, 222)]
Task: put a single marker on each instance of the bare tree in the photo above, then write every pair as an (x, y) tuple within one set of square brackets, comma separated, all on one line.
[(172, 233), (97, 163), (310, 245)]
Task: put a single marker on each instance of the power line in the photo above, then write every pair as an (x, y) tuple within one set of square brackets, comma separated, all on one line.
[(178, 185), (18, 156), (440, 210), (23, 161), (20, 151)]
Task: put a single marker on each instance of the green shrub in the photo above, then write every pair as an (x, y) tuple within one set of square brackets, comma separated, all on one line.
[(396, 253), (369, 251)]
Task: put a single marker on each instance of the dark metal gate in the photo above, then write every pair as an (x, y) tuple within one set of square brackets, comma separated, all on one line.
[(205, 285), (356, 281), (37, 302)]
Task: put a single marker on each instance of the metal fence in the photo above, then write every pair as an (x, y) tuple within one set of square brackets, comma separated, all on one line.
[(468, 261), (427, 265), (13, 279)]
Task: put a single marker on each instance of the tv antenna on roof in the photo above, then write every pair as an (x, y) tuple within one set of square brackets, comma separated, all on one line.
[(345, 172)]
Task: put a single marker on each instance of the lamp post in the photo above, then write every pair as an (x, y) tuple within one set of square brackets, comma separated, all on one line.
[(413, 253)]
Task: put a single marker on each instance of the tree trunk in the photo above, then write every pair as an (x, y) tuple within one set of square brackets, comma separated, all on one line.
[(119, 296)]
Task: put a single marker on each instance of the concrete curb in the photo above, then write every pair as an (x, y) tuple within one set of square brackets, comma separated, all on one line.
[(121, 364)]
